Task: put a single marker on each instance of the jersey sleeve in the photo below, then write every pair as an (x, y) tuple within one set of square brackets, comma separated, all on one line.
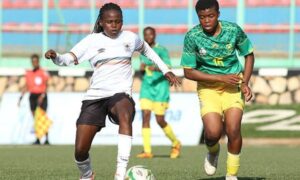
[(243, 46), (81, 48), (138, 43), (188, 59)]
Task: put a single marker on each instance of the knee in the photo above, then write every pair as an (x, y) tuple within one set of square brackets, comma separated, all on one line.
[(212, 136), (125, 117), (161, 122), (81, 153), (233, 133)]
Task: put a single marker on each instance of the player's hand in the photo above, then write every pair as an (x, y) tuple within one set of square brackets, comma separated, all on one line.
[(170, 76), (246, 91), (50, 54), (231, 79)]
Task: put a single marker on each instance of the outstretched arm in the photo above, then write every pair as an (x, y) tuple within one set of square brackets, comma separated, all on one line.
[(170, 76), (61, 59)]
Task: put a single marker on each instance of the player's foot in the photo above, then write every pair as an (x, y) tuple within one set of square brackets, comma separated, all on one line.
[(211, 163), (145, 155), (47, 142), (175, 152), (37, 142), (90, 178), (231, 177)]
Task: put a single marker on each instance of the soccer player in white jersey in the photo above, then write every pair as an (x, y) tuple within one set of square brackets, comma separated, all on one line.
[(109, 50)]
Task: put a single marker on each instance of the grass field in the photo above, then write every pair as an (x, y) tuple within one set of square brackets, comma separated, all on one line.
[(56, 163)]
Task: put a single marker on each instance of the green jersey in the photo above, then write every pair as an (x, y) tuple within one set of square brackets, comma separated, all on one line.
[(216, 54), (155, 87)]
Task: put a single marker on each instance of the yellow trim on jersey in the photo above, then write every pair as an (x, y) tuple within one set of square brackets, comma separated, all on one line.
[(186, 67), (159, 108)]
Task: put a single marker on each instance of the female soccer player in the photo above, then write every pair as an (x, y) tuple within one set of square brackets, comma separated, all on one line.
[(109, 50), (154, 96), (209, 57)]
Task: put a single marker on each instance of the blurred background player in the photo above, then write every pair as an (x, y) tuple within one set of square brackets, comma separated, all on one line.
[(154, 96), (109, 51), (209, 57), (36, 83)]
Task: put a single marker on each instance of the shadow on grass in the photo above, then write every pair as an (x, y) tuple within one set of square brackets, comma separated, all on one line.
[(239, 178)]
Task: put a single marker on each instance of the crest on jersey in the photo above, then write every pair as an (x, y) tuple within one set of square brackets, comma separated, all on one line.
[(229, 47), (202, 52), (127, 47)]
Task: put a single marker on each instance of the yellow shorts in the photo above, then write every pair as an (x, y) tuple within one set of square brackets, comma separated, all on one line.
[(220, 99), (159, 108)]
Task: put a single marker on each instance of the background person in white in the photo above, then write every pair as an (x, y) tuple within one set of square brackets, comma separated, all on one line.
[(109, 51)]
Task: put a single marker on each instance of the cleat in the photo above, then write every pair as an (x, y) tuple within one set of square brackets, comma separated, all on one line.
[(175, 152), (145, 155), (90, 178), (231, 177), (211, 163)]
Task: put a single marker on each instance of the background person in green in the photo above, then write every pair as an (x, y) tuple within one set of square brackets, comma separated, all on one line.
[(209, 57), (154, 96)]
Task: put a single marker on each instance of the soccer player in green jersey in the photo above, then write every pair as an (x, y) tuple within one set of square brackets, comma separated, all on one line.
[(154, 96), (209, 57)]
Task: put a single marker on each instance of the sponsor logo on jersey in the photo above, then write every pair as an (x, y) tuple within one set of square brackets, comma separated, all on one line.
[(101, 50), (202, 52)]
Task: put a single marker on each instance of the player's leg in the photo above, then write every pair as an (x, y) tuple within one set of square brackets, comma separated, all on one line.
[(211, 112), (213, 128), (176, 145), (122, 110), (233, 117), (84, 137), (233, 104), (146, 131)]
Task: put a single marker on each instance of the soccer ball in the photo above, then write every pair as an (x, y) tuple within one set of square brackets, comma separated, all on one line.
[(139, 172)]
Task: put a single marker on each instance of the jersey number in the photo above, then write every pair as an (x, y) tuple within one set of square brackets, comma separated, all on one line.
[(218, 61)]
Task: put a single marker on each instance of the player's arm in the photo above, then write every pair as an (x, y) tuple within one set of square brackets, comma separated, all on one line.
[(75, 56), (249, 63), (61, 59), (245, 49), (197, 75), (147, 51)]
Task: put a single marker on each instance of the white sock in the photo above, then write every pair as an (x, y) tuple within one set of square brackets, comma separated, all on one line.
[(85, 168), (124, 148)]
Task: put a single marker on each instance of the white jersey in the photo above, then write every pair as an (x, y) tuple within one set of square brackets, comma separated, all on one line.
[(111, 62)]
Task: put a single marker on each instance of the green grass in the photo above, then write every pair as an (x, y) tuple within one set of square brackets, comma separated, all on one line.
[(249, 130), (56, 163)]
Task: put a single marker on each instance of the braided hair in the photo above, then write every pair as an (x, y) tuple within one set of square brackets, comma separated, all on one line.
[(106, 7), (205, 4)]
